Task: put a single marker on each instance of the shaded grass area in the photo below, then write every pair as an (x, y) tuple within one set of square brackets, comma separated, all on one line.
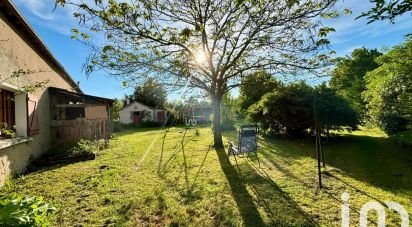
[(404, 138), (154, 177)]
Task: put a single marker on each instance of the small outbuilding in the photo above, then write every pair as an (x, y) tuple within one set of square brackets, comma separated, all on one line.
[(76, 116), (136, 113)]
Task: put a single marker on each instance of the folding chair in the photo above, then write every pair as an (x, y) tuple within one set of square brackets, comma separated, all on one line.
[(248, 137)]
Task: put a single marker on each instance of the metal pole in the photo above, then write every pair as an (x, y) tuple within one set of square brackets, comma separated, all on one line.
[(321, 150), (317, 142)]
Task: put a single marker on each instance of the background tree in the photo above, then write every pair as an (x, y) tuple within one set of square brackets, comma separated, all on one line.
[(205, 43), (254, 87), (288, 110), (229, 112), (387, 10), (389, 89), (151, 93), (333, 111), (348, 76), (117, 106)]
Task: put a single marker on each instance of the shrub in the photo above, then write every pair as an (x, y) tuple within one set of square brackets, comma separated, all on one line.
[(24, 211), (117, 126), (6, 131), (392, 123), (87, 148), (285, 111)]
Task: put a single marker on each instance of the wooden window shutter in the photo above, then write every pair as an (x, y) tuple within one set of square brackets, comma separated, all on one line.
[(32, 116)]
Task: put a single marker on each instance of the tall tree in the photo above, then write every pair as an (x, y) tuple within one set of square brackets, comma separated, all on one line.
[(206, 44), (151, 93), (389, 89), (290, 110), (348, 76), (254, 87), (287, 110), (387, 10), (333, 111), (117, 106)]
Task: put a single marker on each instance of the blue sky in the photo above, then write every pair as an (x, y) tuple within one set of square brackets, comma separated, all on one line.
[(54, 29)]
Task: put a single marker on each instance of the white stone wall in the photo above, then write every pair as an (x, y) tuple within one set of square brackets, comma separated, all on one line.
[(126, 113)]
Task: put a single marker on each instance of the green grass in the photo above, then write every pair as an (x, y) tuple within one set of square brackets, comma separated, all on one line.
[(147, 178), (403, 138)]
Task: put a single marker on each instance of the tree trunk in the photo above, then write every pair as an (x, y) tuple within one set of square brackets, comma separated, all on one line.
[(327, 133), (217, 130)]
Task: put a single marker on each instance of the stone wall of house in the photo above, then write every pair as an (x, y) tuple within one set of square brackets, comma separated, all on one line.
[(19, 52)]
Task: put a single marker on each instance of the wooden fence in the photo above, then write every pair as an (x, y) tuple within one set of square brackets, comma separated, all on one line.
[(65, 131)]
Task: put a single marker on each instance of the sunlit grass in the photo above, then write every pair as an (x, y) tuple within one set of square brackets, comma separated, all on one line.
[(146, 178)]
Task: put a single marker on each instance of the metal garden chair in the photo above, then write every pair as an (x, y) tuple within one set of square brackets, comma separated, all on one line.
[(248, 138)]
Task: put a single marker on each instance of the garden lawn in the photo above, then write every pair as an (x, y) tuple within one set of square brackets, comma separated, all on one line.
[(154, 177)]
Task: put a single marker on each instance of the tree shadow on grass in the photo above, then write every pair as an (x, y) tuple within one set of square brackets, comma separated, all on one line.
[(46, 163), (374, 160), (270, 203)]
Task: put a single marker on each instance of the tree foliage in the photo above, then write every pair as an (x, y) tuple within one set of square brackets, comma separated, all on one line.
[(287, 110), (254, 87), (387, 10), (16, 210), (389, 89), (229, 112), (206, 44), (117, 106), (333, 111), (291, 110), (348, 76), (151, 93)]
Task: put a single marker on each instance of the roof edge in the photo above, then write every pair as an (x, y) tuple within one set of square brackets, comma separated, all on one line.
[(43, 47)]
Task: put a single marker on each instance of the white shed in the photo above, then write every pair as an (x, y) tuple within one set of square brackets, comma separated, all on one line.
[(136, 112)]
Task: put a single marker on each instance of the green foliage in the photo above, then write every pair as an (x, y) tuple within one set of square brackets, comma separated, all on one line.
[(228, 112), (387, 10), (117, 106), (254, 87), (163, 39), (290, 110), (16, 210), (403, 138), (348, 76), (333, 111), (389, 90), (151, 93), (7, 133), (87, 148), (287, 110)]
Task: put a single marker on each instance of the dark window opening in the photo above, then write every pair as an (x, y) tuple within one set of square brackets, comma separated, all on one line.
[(7, 110), (74, 112)]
